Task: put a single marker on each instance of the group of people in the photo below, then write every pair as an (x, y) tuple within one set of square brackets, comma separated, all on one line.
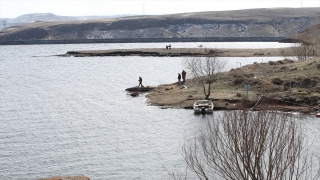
[(183, 77), (179, 78)]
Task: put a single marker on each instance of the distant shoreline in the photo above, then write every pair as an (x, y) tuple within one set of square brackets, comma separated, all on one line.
[(147, 40), (179, 52)]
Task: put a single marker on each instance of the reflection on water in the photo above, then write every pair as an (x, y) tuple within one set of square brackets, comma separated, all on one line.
[(71, 116)]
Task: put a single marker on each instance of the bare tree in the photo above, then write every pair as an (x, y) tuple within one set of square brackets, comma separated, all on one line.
[(204, 71), (246, 145), (302, 52)]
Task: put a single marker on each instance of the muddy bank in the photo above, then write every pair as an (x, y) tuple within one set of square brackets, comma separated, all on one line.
[(180, 52)]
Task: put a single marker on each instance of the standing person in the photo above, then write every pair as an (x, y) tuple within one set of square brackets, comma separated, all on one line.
[(184, 76), (140, 81), (179, 77)]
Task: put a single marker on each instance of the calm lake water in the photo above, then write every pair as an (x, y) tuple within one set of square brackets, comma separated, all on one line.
[(72, 116)]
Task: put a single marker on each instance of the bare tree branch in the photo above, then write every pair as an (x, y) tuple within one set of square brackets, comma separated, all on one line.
[(263, 145), (204, 71)]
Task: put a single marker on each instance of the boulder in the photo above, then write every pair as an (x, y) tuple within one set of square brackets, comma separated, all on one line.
[(277, 81), (238, 81), (307, 82), (287, 83), (283, 68)]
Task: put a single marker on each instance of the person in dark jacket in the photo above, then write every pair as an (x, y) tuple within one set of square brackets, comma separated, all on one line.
[(184, 76), (179, 77), (140, 82)]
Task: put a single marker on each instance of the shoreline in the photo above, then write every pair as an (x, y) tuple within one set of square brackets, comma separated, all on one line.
[(167, 97), (229, 92), (182, 52)]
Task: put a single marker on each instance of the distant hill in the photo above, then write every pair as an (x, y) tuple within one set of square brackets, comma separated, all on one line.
[(46, 17), (276, 22), (311, 35)]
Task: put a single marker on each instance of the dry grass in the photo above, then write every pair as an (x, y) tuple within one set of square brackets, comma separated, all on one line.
[(228, 90)]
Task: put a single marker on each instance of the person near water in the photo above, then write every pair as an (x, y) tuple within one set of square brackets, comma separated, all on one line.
[(184, 76), (140, 82), (179, 77)]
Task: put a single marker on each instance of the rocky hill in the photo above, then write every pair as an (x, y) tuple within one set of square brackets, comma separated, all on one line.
[(277, 22)]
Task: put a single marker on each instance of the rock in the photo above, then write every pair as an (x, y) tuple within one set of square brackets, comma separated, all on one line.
[(277, 81), (318, 66), (294, 68), (307, 82), (283, 68), (290, 99), (272, 63), (190, 97), (238, 81), (293, 83), (248, 74), (280, 62)]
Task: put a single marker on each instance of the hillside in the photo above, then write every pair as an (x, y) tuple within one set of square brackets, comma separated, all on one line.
[(45, 17), (278, 22), (272, 80), (310, 36)]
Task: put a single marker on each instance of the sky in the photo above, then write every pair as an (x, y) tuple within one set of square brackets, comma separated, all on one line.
[(15, 8)]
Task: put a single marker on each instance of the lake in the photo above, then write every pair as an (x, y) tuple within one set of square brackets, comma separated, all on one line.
[(72, 116)]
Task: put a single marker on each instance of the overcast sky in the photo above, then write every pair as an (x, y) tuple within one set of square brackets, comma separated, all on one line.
[(15, 8)]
